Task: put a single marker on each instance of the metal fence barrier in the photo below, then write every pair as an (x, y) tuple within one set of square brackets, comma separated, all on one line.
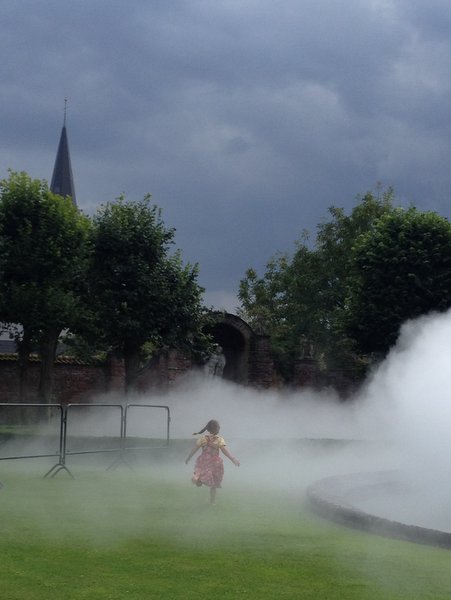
[(134, 406), (43, 410), (64, 417)]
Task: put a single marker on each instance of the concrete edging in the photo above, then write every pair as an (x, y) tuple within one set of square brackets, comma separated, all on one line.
[(330, 498)]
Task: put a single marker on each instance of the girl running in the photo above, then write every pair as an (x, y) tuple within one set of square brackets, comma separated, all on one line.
[(209, 467)]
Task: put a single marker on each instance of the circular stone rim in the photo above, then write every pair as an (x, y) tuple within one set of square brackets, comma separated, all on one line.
[(330, 498)]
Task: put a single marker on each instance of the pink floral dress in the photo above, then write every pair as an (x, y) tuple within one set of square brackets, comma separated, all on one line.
[(209, 467)]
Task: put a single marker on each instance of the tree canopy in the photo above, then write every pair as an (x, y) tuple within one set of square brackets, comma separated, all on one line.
[(402, 270), (113, 279), (139, 293), (44, 250), (349, 291)]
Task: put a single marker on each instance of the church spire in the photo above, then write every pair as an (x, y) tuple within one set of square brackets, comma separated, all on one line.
[(62, 178)]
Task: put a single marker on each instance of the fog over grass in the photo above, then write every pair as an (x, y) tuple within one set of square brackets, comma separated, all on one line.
[(399, 420), (286, 439)]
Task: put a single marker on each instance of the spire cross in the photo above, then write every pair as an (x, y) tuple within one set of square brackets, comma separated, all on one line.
[(65, 110)]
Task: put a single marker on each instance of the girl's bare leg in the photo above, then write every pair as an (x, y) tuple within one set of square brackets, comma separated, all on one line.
[(212, 495)]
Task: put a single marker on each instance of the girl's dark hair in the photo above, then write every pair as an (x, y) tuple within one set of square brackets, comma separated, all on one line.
[(212, 427)]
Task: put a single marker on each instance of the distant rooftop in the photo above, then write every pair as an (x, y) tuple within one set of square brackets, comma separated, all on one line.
[(7, 347)]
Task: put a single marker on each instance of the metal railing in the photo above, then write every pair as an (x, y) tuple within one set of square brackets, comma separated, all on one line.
[(62, 451)]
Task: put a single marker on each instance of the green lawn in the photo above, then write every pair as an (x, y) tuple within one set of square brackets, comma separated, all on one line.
[(144, 534)]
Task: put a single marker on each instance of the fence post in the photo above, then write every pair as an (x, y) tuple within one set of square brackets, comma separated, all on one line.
[(61, 464)]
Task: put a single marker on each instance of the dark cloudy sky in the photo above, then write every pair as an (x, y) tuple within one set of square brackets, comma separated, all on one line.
[(244, 119)]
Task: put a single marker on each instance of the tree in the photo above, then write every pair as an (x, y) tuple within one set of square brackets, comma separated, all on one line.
[(402, 271), (282, 303), (44, 251), (140, 294), (305, 295)]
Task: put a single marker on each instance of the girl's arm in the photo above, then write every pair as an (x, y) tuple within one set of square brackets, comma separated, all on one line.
[(235, 461), (194, 449)]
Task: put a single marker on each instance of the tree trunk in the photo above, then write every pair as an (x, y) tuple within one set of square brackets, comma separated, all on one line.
[(131, 364), (23, 360), (47, 352)]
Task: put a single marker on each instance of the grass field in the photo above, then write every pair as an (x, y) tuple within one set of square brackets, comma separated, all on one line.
[(147, 533)]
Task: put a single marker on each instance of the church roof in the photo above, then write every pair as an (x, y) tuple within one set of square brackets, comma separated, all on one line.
[(62, 178)]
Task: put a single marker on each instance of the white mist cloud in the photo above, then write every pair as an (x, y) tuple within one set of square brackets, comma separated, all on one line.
[(286, 439), (413, 387)]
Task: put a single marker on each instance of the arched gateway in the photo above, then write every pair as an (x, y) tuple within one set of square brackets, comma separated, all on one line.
[(248, 358), (235, 337)]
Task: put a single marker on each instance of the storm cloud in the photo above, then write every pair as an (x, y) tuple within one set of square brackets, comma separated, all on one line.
[(245, 121)]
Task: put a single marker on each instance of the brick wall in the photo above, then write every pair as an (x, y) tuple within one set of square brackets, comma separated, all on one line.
[(72, 382), (163, 370), (75, 382)]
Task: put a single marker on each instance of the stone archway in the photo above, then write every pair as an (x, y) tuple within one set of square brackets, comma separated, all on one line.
[(234, 336), (248, 357)]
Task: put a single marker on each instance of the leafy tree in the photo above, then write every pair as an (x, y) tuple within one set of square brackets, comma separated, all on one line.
[(402, 270), (282, 302), (43, 255), (305, 294), (141, 296), (335, 241)]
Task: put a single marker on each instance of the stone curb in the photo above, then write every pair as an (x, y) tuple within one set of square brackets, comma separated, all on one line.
[(330, 498)]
